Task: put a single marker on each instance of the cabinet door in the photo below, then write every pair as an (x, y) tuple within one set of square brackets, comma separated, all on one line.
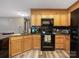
[(26, 43), (29, 42), (64, 20), (67, 43), (15, 45), (57, 20), (59, 40), (36, 42), (38, 20), (33, 20)]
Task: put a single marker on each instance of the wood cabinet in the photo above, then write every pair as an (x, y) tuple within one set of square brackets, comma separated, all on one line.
[(67, 43), (19, 44), (59, 42), (59, 46), (27, 42), (36, 20), (62, 42), (64, 19), (36, 41), (61, 17), (57, 20), (33, 20), (15, 45)]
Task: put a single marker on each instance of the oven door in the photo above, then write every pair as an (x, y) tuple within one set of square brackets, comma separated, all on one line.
[(47, 42)]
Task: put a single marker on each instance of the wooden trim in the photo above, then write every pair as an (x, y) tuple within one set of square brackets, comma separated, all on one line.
[(73, 5), (42, 9), (48, 9)]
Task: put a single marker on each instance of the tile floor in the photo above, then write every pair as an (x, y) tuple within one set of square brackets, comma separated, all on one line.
[(43, 54)]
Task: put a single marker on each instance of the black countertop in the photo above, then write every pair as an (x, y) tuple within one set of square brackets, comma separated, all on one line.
[(12, 35)]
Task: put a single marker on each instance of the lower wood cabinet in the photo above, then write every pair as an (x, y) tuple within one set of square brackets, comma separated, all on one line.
[(67, 43), (19, 44), (27, 42), (59, 39), (59, 42), (36, 41), (15, 45), (62, 42), (59, 46), (30, 41)]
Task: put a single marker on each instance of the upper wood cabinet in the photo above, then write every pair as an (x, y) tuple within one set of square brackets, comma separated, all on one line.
[(61, 17), (38, 20), (57, 20), (64, 21), (33, 20), (15, 45)]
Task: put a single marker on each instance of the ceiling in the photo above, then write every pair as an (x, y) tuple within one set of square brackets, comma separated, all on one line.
[(15, 8)]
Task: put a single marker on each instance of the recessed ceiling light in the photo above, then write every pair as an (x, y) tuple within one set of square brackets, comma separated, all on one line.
[(23, 14)]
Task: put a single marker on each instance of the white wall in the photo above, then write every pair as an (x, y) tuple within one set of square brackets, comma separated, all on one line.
[(12, 24)]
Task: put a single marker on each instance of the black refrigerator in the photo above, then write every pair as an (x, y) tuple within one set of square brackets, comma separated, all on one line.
[(74, 43), (47, 37)]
